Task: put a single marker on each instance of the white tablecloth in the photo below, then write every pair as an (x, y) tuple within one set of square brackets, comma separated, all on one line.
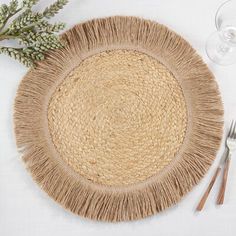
[(25, 210)]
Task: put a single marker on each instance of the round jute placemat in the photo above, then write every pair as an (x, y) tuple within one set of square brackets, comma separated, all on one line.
[(120, 123)]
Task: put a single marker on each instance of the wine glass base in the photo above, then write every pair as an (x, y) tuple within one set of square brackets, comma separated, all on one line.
[(219, 51)]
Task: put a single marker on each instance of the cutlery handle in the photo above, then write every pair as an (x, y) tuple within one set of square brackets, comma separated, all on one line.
[(221, 195), (208, 190)]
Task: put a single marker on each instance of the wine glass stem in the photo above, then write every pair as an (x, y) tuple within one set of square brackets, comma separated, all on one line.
[(223, 49)]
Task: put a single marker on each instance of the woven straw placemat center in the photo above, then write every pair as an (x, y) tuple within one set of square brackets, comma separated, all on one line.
[(118, 118)]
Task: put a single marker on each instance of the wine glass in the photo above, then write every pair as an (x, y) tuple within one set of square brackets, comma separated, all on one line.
[(221, 45)]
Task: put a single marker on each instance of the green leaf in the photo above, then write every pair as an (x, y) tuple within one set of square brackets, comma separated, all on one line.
[(54, 8), (29, 3), (42, 25), (50, 28), (34, 55), (4, 10), (4, 13), (32, 38), (17, 54), (13, 6), (25, 19)]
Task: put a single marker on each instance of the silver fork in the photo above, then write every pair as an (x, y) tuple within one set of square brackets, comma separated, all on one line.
[(230, 147)]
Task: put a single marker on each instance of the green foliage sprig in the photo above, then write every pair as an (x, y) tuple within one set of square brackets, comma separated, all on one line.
[(32, 31)]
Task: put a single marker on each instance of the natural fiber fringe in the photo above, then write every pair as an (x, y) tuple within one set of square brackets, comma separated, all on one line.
[(83, 197)]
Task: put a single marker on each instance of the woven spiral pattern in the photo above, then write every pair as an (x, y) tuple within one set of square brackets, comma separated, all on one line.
[(118, 118)]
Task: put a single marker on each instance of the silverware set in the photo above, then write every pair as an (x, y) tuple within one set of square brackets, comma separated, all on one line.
[(230, 147)]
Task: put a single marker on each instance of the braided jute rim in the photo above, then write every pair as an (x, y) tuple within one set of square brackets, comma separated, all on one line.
[(99, 202)]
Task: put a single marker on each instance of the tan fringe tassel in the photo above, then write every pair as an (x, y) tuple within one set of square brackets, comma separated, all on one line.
[(137, 201)]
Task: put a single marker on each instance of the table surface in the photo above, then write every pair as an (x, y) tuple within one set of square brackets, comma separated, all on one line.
[(25, 210)]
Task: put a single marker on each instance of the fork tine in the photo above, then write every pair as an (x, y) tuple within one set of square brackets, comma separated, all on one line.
[(234, 132), (231, 129)]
